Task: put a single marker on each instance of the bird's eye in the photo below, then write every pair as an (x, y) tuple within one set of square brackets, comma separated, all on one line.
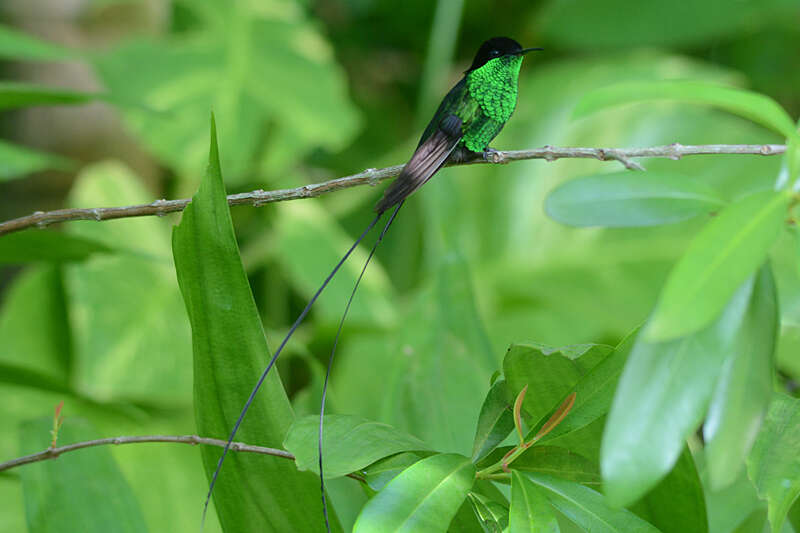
[(494, 53)]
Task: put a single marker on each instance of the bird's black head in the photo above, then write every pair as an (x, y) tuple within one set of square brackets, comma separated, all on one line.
[(497, 47)]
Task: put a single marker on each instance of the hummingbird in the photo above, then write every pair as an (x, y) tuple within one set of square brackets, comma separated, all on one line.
[(470, 116)]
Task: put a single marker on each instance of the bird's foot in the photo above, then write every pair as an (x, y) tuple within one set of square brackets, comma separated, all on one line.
[(492, 156)]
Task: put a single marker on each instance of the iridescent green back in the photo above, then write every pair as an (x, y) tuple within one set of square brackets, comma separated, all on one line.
[(484, 100)]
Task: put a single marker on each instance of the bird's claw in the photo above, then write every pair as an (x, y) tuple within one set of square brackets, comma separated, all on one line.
[(491, 155)]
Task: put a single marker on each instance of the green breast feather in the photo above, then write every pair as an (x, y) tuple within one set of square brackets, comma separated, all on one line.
[(493, 87)]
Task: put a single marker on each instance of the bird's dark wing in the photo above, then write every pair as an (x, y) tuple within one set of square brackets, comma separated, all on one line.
[(428, 158)]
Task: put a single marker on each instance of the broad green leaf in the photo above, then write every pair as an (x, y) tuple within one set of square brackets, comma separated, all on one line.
[(593, 392), (226, 328), (381, 472), (132, 351), (661, 398), (757, 107), (719, 259), (559, 462), (550, 373), (34, 325), (677, 504), (530, 510), (588, 508), (774, 464), (269, 75), (16, 45), (630, 199), (744, 389), (81, 491), (55, 246), (695, 25), (14, 95), (17, 161), (735, 508), (349, 443), (495, 421), (422, 499)]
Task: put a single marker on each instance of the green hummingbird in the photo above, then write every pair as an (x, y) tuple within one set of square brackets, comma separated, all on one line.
[(468, 119)]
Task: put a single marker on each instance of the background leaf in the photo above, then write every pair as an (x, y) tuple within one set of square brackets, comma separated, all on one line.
[(83, 489), (677, 504), (17, 161), (717, 261), (773, 464), (34, 245), (627, 198), (753, 106), (16, 44)]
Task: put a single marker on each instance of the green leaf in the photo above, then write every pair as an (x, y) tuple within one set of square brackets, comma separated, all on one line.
[(381, 472), (744, 389), (495, 421), (774, 464), (226, 327), (655, 24), (530, 511), (34, 326), (757, 107), (677, 504), (661, 398), (14, 95), (492, 515), (424, 498), (54, 246), (81, 491), (16, 45), (349, 443), (719, 259), (261, 70), (550, 373), (630, 199), (17, 161), (559, 462), (587, 508), (114, 342)]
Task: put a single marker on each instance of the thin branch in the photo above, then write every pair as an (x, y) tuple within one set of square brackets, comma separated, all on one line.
[(53, 453), (373, 176)]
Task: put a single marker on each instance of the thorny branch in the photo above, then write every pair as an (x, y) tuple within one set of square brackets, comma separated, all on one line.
[(373, 176), (53, 453)]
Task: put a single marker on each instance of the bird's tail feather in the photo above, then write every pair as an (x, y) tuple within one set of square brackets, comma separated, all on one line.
[(333, 353), (278, 352)]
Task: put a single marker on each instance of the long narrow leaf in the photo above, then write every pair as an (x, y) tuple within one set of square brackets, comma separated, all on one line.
[(252, 493), (424, 498), (719, 259), (753, 106)]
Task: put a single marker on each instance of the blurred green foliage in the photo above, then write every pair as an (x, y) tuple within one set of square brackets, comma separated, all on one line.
[(305, 90)]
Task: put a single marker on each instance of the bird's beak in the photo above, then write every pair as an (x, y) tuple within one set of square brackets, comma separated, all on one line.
[(526, 50)]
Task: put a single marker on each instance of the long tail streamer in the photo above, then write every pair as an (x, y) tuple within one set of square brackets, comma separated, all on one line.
[(275, 358), (333, 353)]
